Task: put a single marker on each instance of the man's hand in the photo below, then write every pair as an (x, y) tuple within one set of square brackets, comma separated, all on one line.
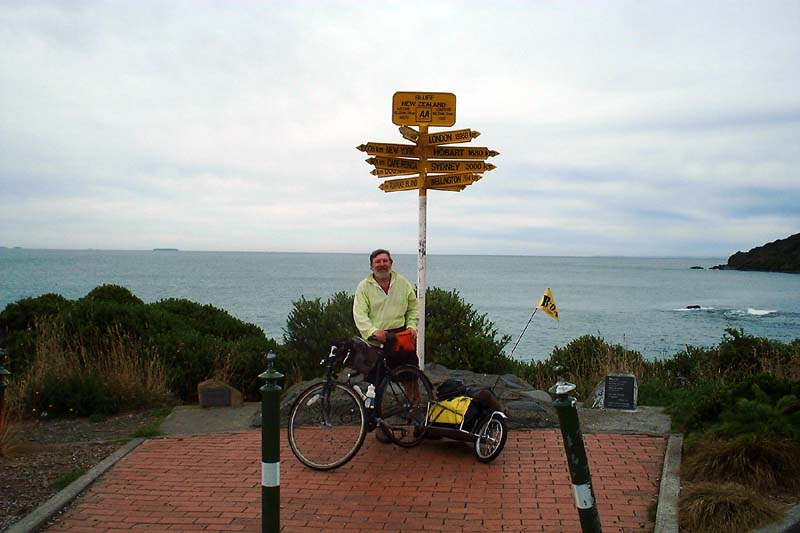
[(380, 336), (413, 334)]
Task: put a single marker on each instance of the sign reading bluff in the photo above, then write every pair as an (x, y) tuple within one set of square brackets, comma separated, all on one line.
[(427, 109)]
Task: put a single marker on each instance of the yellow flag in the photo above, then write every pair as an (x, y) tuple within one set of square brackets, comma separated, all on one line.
[(548, 305)]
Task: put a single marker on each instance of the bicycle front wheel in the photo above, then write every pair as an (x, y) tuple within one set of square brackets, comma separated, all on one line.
[(327, 425), (402, 404)]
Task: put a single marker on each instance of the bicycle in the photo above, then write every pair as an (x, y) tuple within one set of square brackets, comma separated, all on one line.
[(329, 420)]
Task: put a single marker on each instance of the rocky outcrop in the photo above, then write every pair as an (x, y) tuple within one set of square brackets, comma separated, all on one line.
[(782, 255), (528, 407)]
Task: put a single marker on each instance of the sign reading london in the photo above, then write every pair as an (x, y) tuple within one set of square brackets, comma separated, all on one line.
[(424, 109)]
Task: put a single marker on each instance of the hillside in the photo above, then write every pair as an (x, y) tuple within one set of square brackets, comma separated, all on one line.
[(782, 255)]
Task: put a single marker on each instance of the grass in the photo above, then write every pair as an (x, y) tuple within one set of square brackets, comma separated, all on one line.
[(153, 429), (149, 431), (713, 507), (161, 412), (114, 374), (66, 479), (12, 443), (764, 464)]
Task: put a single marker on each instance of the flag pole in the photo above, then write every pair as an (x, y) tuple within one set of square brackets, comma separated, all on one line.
[(523, 331)]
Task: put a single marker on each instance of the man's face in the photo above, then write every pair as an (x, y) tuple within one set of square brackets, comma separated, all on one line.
[(381, 266)]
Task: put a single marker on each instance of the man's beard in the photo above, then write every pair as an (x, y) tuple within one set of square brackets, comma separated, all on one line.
[(382, 276)]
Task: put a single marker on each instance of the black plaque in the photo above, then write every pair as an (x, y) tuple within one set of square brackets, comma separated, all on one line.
[(215, 397), (619, 393)]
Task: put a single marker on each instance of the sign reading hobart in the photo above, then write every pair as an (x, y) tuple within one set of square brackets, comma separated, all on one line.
[(427, 109)]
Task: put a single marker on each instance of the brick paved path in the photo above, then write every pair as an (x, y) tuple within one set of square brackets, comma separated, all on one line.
[(212, 483)]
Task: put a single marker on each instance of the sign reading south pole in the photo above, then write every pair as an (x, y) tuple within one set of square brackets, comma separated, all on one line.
[(423, 109)]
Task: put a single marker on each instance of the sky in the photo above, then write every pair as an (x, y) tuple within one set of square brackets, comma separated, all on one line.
[(653, 128)]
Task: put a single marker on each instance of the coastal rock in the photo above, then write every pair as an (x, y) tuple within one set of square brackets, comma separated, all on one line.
[(529, 408), (782, 255), (214, 393)]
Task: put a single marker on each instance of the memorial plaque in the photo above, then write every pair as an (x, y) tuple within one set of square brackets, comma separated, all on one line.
[(620, 392), (215, 397)]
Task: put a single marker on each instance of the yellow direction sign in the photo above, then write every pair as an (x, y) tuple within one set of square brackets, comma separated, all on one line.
[(409, 134), (459, 167), (460, 152), (394, 163), (449, 137), (389, 149), (443, 182), (451, 180), (385, 172), (429, 109)]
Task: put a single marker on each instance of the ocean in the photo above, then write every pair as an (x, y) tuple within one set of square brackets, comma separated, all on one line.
[(640, 303)]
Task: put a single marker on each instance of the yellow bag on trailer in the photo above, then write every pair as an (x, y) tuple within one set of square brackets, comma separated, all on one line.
[(450, 411)]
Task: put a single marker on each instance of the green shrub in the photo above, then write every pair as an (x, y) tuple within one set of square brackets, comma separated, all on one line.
[(759, 405), (311, 328), (584, 361), (457, 336), (17, 324), (193, 341), (113, 293), (244, 362), (76, 395)]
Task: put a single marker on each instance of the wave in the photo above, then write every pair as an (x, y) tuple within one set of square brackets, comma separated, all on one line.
[(760, 312), (751, 312), (730, 312)]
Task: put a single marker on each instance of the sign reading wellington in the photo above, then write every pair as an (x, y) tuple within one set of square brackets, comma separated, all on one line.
[(431, 162), (429, 109)]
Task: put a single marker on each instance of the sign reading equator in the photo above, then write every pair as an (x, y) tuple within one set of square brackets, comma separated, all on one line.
[(427, 109)]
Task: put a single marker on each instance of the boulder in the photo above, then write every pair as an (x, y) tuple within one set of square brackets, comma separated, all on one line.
[(529, 408), (215, 393)]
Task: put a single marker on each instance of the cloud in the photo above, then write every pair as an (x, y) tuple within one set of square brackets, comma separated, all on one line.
[(626, 128)]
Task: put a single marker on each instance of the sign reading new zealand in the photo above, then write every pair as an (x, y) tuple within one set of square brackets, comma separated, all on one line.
[(427, 109)]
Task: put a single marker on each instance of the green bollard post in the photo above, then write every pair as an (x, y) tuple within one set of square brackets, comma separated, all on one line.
[(3, 375), (270, 449), (566, 408)]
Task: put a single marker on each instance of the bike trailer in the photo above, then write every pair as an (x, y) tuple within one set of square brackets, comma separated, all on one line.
[(459, 412)]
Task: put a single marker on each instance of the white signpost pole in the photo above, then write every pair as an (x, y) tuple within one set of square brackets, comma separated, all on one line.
[(422, 246)]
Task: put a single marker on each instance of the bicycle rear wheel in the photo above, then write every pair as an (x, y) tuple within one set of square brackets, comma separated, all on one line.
[(402, 403), (327, 425)]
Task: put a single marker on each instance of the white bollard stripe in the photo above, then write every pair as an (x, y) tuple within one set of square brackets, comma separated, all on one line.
[(583, 496), (270, 474)]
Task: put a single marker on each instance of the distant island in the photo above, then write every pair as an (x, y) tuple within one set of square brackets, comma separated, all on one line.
[(165, 249), (782, 255)]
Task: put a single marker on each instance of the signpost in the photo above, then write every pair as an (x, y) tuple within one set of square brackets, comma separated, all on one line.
[(384, 172), (449, 137), (459, 152), (439, 182), (428, 164), (424, 109), (389, 149)]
